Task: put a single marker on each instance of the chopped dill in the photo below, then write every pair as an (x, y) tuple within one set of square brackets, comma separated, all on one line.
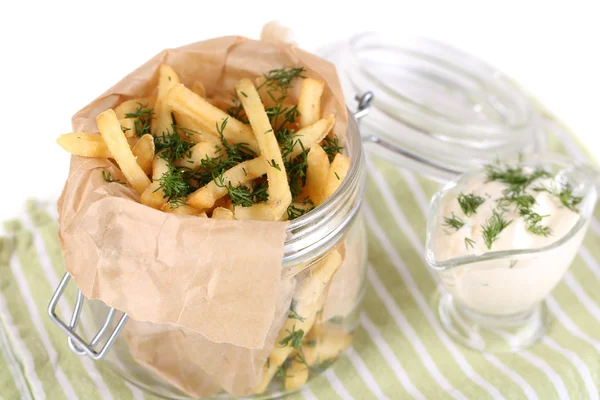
[(469, 242), (108, 178), (469, 203), (492, 228), (454, 222), (143, 118)]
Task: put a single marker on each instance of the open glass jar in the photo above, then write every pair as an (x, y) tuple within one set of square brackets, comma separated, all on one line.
[(324, 257)]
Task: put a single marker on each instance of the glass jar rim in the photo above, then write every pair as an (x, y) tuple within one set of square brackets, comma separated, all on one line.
[(590, 196), (320, 220)]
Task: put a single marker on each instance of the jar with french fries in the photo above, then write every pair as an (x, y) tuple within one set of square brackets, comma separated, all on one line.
[(221, 216)]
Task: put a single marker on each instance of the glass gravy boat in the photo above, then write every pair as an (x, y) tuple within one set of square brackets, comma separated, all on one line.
[(495, 301)]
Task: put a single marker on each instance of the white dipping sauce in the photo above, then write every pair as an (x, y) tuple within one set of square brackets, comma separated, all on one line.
[(509, 285)]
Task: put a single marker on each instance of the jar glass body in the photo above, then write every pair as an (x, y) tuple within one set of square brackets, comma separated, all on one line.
[(327, 243)]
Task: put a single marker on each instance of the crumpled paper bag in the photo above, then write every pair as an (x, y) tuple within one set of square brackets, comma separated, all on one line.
[(214, 278)]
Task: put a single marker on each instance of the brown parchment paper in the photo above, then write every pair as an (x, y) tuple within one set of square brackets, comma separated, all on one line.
[(217, 283)]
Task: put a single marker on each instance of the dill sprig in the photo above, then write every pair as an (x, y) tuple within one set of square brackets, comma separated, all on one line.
[(143, 118), (280, 80), (282, 370), (492, 228), (469, 203), (454, 222), (176, 185), (236, 153), (172, 146), (568, 200), (293, 211), (293, 314), (293, 339), (469, 242), (331, 146), (242, 195), (108, 178)]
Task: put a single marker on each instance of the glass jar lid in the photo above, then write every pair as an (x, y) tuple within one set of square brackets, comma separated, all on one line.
[(436, 109)]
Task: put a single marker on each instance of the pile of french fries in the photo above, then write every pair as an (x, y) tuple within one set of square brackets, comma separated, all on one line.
[(124, 137)]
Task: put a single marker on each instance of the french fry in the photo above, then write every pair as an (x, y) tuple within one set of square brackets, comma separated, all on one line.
[(194, 132), (316, 173), (84, 144), (222, 213), (160, 166), (328, 344), (115, 140), (144, 153), (337, 172), (309, 299), (198, 152), (279, 189), (167, 79), (184, 102), (131, 106), (198, 88), (257, 212), (128, 127), (311, 134), (153, 196), (132, 141), (296, 374), (309, 101), (185, 210), (242, 173)]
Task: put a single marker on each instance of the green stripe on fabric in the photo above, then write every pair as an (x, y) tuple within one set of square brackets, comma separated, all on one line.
[(381, 371), (349, 377), (533, 375), (34, 274), (578, 313), (322, 389), (47, 228), (563, 368), (26, 331), (8, 383)]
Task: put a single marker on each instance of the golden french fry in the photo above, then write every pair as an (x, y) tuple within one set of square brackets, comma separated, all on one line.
[(309, 299), (154, 196), (84, 144), (279, 189), (144, 153), (309, 101), (271, 97), (132, 141), (185, 210), (160, 166), (316, 173), (222, 213), (198, 88), (128, 127), (327, 344), (115, 140), (337, 172), (190, 130), (133, 105), (242, 173), (199, 152), (257, 212), (186, 103), (311, 134), (296, 374), (167, 79)]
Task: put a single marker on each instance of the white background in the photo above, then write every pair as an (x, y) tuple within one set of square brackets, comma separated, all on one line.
[(57, 57)]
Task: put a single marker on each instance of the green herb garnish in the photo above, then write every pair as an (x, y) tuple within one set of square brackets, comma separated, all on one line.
[(469, 203), (143, 118), (293, 211), (454, 222), (294, 338), (108, 178), (331, 147), (469, 242), (493, 227), (293, 314)]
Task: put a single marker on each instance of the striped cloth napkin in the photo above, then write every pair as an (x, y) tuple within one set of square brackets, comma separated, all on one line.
[(399, 350)]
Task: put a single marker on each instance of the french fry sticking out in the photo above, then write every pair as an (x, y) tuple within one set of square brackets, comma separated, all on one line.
[(222, 213), (198, 88), (296, 374), (160, 166), (279, 189), (309, 102), (185, 210), (84, 144), (311, 134), (115, 140), (154, 196), (337, 172), (316, 173), (144, 153), (242, 173), (167, 79), (128, 127), (133, 106), (307, 301), (186, 103), (198, 152)]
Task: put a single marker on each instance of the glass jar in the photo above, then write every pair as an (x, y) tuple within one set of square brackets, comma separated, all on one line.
[(324, 256), (436, 110)]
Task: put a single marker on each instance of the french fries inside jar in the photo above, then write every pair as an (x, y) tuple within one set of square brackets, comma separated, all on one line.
[(260, 154)]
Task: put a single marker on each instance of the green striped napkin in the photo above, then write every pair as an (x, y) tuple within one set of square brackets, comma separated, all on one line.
[(399, 350)]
